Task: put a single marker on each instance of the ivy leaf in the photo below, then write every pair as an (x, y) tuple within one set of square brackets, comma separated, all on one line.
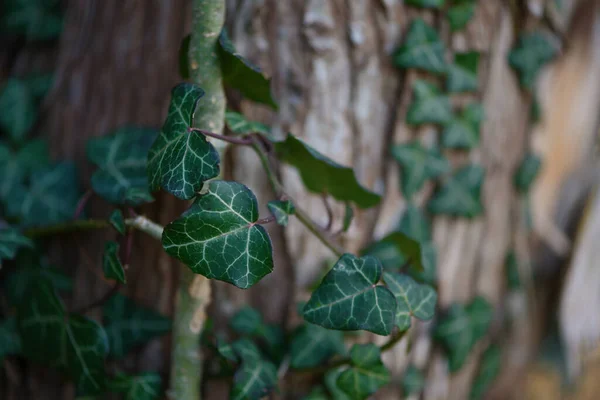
[(117, 221), (367, 374), (512, 271), (480, 314), (414, 224), (418, 164), (247, 321), (19, 109), (462, 75), (422, 49), (312, 345), (460, 14), (181, 161), (331, 378), (323, 175), (242, 75), (462, 132), (73, 343), (17, 283), (348, 216), (184, 62), (412, 381), (121, 158), (461, 194), (11, 241), (145, 386), (429, 257), (218, 236), (349, 298), (414, 300), (488, 371), (39, 84), (407, 247), (128, 325), (36, 20), (527, 172), (111, 264), (532, 51), (237, 123), (253, 380), (318, 393), (429, 105), (281, 209), (426, 3), (10, 342)]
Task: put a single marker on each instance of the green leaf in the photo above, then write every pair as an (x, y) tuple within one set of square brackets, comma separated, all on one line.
[(460, 195), (348, 216), (462, 75), (481, 314), (418, 164), (111, 264), (331, 378), (181, 161), (128, 325), (422, 49), (253, 380), (426, 3), (460, 14), (317, 393), (247, 321), (527, 172), (367, 374), (429, 105), (73, 343), (17, 283), (463, 131), (429, 257), (121, 158), (532, 52), (415, 224), (349, 298), (19, 109), (312, 345), (237, 123), (323, 175), (488, 371), (414, 300), (512, 271), (117, 221), (413, 381), (218, 236), (184, 62), (34, 19), (145, 386), (407, 247), (39, 84), (11, 241), (240, 74), (281, 209), (10, 342)]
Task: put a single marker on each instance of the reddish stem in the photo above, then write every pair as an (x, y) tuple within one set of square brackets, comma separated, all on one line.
[(82, 203), (264, 221)]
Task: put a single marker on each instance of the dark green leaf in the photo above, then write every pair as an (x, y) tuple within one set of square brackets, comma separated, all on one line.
[(145, 386), (128, 325), (184, 62), (253, 380), (349, 298), (181, 161), (407, 247), (367, 374), (413, 381), (460, 14), (34, 19), (460, 195), (237, 123), (527, 172), (429, 105), (426, 3), (240, 74), (415, 224), (532, 52), (312, 345), (117, 221), (429, 258), (10, 342), (39, 84), (462, 132), (323, 175), (121, 158), (247, 321), (480, 314), (73, 343), (318, 393), (281, 209), (17, 283), (218, 236), (488, 371), (331, 378), (512, 271), (422, 49), (348, 216), (418, 164), (414, 300), (19, 109), (387, 253), (12, 240), (111, 264), (462, 75)]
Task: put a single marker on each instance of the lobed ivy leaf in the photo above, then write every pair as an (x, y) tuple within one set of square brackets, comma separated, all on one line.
[(181, 161), (527, 172), (240, 74), (460, 14), (413, 381), (461, 194), (367, 373), (415, 224), (117, 221), (241, 349), (462, 74), (111, 264), (11, 240), (331, 378), (323, 175), (463, 131), (426, 3), (218, 236), (488, 371), (19, 109), (144, 386), (429, 105), (128, 325), (349, 298), (237, 123), (121, 158), (281, 209), (414, 300), (34, 19), (429, 273), (418, 164), (10, 342), (72, 343), (388, 254), (410, 249), (422, 49), (247, 321), (312, 345), (253, 380), (532, 51)]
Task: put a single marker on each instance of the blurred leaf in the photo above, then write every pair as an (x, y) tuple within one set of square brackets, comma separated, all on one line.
[(349, 298), (532, 52), (331, 378), (128, 325), (387, 253), (460, 195), (121, 158), (144, 386), (10, 342), (28, 272), (111, 264), (463, 131), (34, 19), (429, 257), (323, 175), (414, 300), (413, 381), (184, 62), (281, 209), (12, 240), (117, 221), (415, 224), (181, 161), (237, 123), (460, 14), (348, 216), (488, 371), (254, 379), (429, 105), (221, 226), (407, 247), (462, 75), (512, 271), (367, 373), (422, 49), (317, 393), (247, 321), (426, 3), (527, 172), (19, 109), (240, 74), (39, 84), (312, 345)]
